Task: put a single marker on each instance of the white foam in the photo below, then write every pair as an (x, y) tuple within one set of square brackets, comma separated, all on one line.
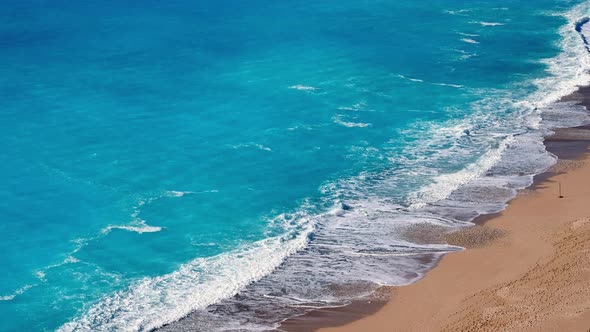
[(356, 107), (488, 24), (585, 30), (338, 120), (138, 228), (460, 12), (417, 80), (262, 147), (465, 55), (174, 193), (252, 145), (301, 87), (449, 85), (7, 297), (410, 79), (338, 210), (41, 275), (16, 293), (445, 184), (569, 69), (300, 126), (139, 225), (71, 259), (469, 41)]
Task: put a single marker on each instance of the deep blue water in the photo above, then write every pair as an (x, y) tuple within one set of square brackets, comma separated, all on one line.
[(160, 157)]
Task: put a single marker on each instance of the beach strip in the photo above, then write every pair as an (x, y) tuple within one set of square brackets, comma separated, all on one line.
[(535, 277)]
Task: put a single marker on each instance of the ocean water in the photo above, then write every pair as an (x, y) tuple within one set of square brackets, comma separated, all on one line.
[(219, 165)]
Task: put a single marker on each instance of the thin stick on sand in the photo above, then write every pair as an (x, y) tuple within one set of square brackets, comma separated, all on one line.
[(560, 195)]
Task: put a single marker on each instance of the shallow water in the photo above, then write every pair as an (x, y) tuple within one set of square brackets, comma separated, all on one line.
[(160, 158)]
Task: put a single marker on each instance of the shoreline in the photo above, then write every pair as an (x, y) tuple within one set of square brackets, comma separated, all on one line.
[(515, 240)]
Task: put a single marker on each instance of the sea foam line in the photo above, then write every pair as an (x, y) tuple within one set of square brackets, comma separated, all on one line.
[(252, 145), (459, 12), (16, 293), (302, 87), (140, 227), (469, 41), (418, 80), (338, 120), (487, 24), (153, 302)]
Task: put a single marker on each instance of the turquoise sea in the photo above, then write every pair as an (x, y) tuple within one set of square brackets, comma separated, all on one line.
[(225, 165)]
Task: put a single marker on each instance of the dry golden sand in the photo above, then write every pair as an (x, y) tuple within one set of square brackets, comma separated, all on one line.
[(529, 272)]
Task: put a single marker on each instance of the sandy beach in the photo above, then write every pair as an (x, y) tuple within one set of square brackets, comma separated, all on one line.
[(534, 276)]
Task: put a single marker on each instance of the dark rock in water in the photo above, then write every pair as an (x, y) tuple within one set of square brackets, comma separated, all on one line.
[(579, 26), (346, 207), (581, 23)]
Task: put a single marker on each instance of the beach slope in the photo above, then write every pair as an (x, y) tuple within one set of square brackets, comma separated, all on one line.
[(535, 276)]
